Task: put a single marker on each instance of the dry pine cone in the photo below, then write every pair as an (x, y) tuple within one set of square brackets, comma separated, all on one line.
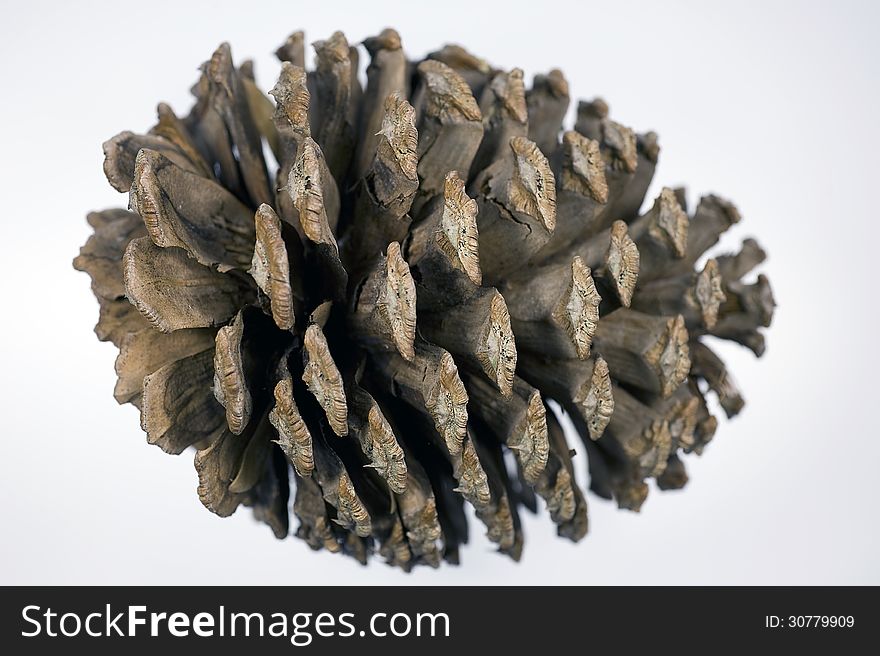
[(385, 319)]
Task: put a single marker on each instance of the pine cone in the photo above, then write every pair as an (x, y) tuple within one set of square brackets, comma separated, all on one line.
[(386, 319)]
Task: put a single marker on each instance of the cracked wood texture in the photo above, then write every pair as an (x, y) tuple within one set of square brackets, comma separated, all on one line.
[(363, 302)]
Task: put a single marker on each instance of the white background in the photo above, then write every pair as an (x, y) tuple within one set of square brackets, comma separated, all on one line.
[(771, 104)]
